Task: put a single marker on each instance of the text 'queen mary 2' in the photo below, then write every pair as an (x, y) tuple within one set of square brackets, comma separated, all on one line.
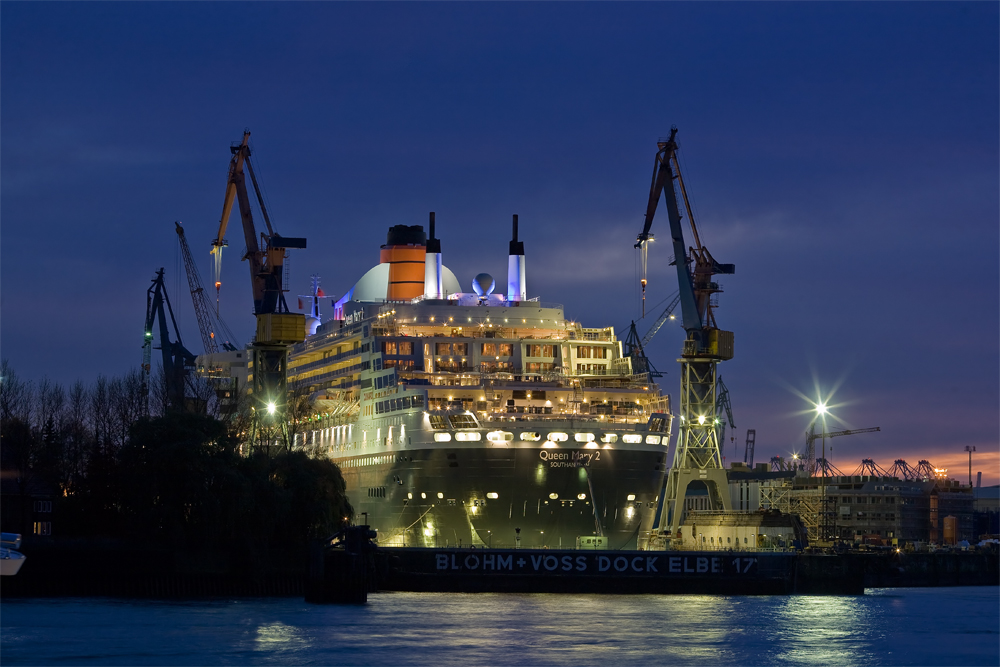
[(476, 418)]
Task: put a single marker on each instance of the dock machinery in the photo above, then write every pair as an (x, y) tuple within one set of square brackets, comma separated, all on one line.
[(177, 361), (214, 332), (277, 328), (696, 456)]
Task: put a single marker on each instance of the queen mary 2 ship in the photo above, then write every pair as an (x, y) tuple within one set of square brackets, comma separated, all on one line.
[(480, 419)]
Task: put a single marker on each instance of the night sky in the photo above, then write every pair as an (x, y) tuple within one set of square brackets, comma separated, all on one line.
[(844, 156)]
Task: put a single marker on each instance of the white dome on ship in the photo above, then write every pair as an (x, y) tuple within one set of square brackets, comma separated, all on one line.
[(374, 285)]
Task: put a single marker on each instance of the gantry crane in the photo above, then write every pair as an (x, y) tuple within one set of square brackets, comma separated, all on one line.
[(208, 322), (697, 455), (277, 328), (176, 359), (812, 463)]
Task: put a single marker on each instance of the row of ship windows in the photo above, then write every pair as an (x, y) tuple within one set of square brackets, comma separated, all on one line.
[(402, 403), (496, 350), (365, 461), (553, 438)]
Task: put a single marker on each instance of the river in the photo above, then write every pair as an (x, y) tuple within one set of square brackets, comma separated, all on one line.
[(916, 626)]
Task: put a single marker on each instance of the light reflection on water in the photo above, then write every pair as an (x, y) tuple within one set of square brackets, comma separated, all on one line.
[(884, 627)]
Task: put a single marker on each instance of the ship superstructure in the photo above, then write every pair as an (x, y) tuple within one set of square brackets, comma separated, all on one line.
[(476, 418)]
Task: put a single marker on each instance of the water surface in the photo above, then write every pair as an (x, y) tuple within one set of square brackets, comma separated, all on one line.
[(930, 626)]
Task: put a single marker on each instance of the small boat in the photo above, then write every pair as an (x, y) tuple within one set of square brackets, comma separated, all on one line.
[(10, 560)]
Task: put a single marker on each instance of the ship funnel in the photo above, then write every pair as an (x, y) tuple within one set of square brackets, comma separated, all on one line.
[(516, 285), (404, 252), (432, 266)]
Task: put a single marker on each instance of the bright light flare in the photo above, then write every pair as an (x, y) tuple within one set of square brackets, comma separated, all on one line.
[(271, 408)]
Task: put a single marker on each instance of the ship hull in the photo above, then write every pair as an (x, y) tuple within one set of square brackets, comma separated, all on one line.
[(516, 495)]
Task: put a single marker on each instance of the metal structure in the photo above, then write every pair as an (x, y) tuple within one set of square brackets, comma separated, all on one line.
[(925, 470), (177, 361), (870, 468), (748, 452), (722, 404), (901, 469), (277, 328), (777, 464), (827, 469), (970, 449), (633, 349), (667, 314), (208, 322), (812, 437), (697, 456)]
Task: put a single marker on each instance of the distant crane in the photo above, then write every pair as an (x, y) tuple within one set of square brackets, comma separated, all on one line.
[(869, 467), (668, 314), (748, 452), (277, 328), (208, 322), (176, 359), (633, 349), (901, 469), (697, 456), (722, 404), (812, 437)]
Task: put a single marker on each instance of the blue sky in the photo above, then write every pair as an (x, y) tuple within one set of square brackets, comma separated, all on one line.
[(843, 155)]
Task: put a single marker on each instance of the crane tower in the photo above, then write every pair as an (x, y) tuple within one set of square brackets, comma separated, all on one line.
[(696, 457), (277, 328)]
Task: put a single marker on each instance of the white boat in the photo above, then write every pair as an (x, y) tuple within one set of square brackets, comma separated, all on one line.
[(10, 560)]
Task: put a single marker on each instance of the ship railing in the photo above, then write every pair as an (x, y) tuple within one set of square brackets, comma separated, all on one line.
[(610, 423)]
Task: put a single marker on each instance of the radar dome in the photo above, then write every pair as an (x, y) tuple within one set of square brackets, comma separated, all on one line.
[(483, 284)]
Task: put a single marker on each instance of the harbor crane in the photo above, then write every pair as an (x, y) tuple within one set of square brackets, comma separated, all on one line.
[(722, 404), (697, 456), (177, 361), (277, 328), (667, 314), (208, 322), (811, 438), (748, 451)]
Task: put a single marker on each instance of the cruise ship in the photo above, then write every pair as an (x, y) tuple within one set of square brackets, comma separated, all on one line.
[(475, 418)]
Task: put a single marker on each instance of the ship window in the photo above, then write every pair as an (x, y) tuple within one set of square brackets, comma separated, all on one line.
[(390, 347), (530, 436), (463, 421), (506, 350), (657, 425), (500, 436), (609, 438), (441, 348), (558, 437), (437, 421), (583, 437), (442, 437), (492, 495), (440, 496), (489, 349), (406, 347), (469, 436), (652, 439), (630, 497), (632, 438), (461, 349)]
